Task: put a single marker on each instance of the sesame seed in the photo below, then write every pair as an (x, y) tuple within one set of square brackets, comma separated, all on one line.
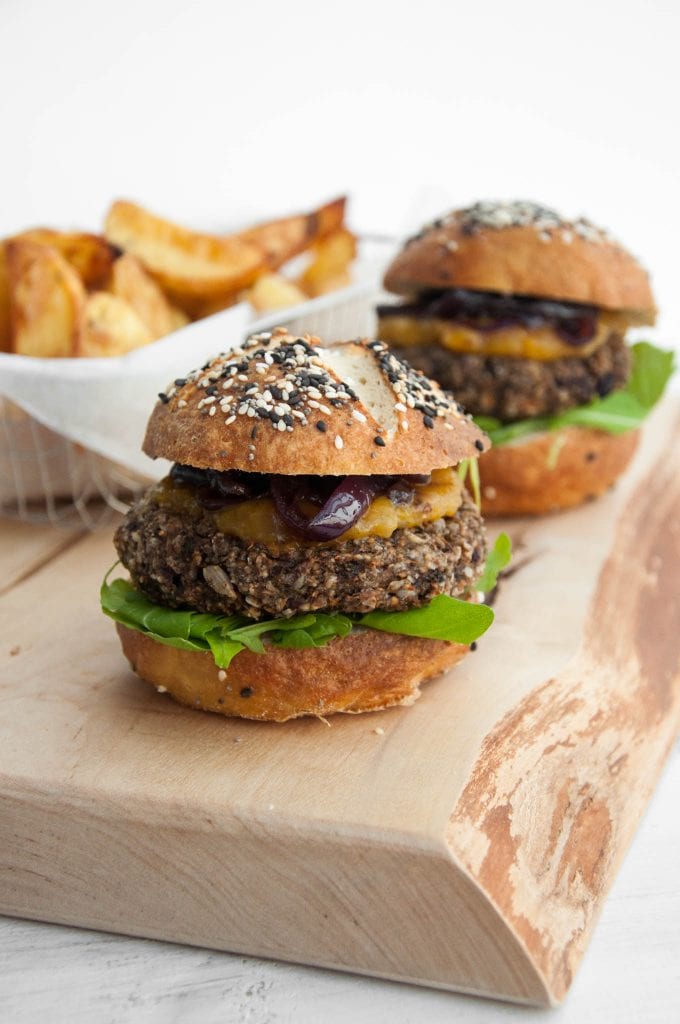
[(221, 675), (229, 420), (380, 441), (479, 445), (400, 407), (359, 416), (320, 425), (339, 443), (163, 397), (428, 421), (212, 410)]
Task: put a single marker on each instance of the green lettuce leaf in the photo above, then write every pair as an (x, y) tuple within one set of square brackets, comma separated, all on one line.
[(616, 413), (497, 559)]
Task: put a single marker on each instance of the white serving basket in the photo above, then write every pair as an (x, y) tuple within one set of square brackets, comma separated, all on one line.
[(47, 476)]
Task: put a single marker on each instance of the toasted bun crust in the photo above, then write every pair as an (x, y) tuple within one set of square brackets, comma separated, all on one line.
[(553, 470), (283, 404), (526, 250), (365, 671)]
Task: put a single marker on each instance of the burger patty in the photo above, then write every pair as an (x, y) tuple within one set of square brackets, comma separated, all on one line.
[(184, 562), (517, 389)]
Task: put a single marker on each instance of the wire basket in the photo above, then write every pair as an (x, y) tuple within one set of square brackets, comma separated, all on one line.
[(47, 478)]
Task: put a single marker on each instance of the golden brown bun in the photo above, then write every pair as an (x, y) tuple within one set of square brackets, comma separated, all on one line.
[(545, 258), (554, 470), (365, 671), (377, 429)]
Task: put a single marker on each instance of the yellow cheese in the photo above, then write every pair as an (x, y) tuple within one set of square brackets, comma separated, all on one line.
[(257, 521), (513, 340)]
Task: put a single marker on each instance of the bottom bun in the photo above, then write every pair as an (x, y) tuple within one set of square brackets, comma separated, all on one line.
[(554, 470), (366, 671)]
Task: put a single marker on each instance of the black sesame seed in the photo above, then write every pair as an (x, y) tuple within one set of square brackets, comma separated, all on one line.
[(253, 433), (180, 382), (212, 390), (380, 441), (473, 645), (163, 397), (247, 691), (428, 421), (320, 425), (479, 445), (288, 420)]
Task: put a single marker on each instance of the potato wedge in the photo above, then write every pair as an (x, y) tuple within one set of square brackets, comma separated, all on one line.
[(282, 239), (90, 255), (111, 327), (130, 281), (5, 314), (191, 268), (272, 291), (47, 300), (329, 269)]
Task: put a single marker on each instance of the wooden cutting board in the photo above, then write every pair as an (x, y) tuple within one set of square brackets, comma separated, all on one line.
[(467, 842)]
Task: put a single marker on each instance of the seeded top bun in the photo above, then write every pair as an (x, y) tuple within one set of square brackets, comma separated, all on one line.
[(285, 404), (522, 248)]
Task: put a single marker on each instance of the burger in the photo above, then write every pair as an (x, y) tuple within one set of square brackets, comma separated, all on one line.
[(523, 316), (313, 548)]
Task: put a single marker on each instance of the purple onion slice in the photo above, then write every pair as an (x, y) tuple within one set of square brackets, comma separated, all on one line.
[(341, 510)]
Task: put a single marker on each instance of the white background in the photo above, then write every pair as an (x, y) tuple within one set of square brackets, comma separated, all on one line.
[(212, 112), (215, 113)]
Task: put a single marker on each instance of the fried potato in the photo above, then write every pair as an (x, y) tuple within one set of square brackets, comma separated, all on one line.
[(282, 239), (90, 255), (47, 299), (111, 327), (329, 269), (5, 316), (130, 281), (192, 268), (272, 291)]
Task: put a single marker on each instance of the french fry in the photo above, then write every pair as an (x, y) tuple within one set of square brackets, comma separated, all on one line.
[(329, 269), (192, 268), (47, 299), (111, 327), (130, 281), (272, 291), (91, 256), (282, 239)]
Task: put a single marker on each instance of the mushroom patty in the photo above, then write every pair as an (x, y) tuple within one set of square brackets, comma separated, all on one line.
[(184, 561), (515, 389)]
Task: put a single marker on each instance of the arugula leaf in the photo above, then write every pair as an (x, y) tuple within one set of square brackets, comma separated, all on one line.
[(617, 413), (497, 559), (444, 618), (224, 636), (470, 468)]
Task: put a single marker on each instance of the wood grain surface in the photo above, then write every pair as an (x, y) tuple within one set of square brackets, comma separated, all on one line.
[(469, 845)]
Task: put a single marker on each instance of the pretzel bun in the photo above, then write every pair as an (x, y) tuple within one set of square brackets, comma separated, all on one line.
[(365, 671), (553, 470), (524, 249), (349, 408)]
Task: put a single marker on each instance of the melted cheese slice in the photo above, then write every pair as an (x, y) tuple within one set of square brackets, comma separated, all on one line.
[(542, 343), (257, 521)]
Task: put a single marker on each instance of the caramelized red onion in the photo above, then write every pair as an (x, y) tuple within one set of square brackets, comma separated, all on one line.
[(344, 506), (341, 501), (575, 323)]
